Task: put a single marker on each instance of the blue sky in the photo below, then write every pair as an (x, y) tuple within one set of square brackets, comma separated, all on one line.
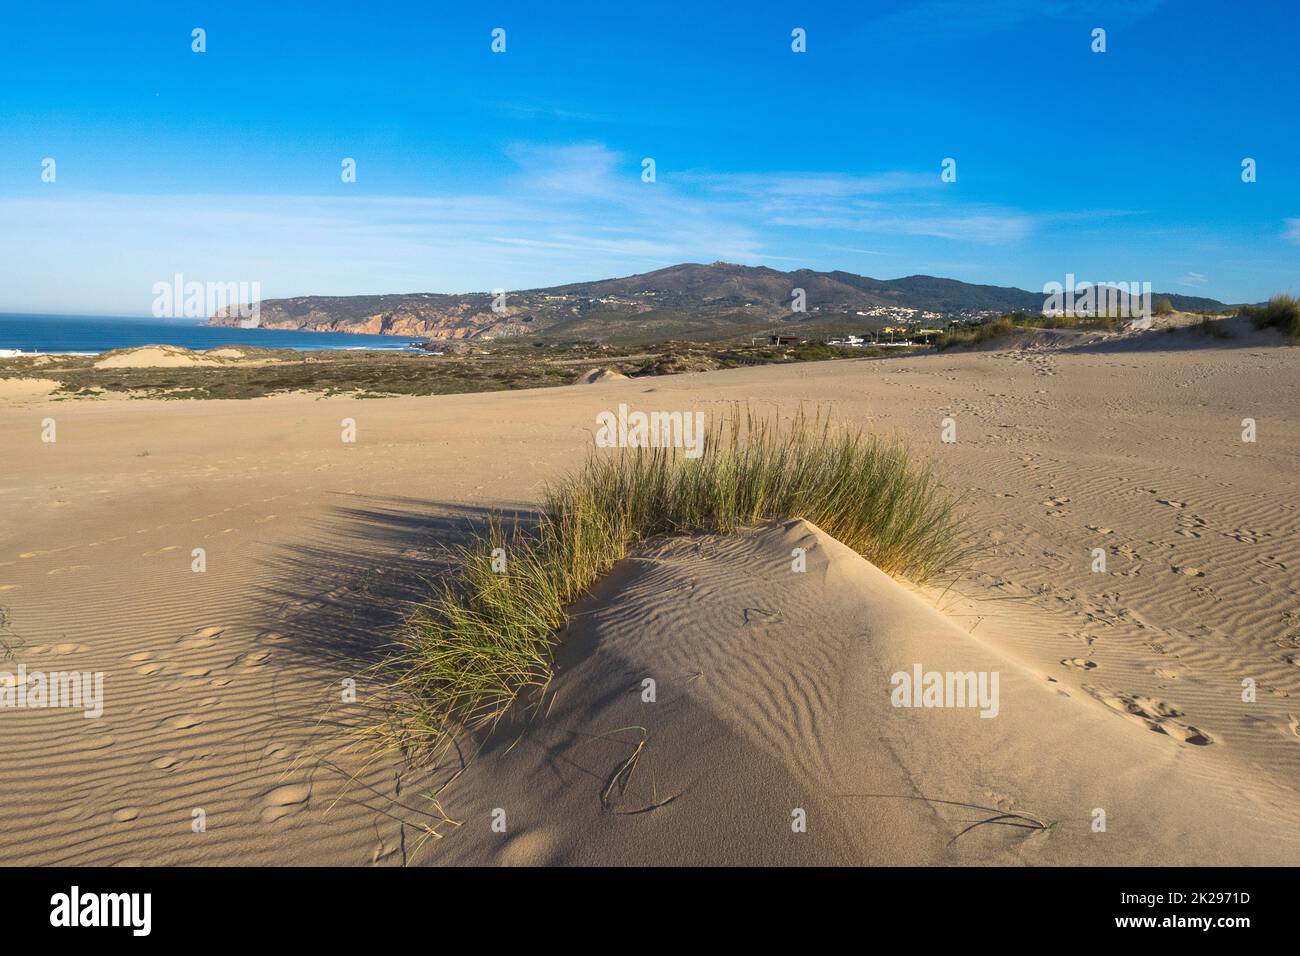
[(478, 170)]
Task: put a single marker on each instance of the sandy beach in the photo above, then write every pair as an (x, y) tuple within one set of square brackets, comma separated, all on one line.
[(1121, 689)]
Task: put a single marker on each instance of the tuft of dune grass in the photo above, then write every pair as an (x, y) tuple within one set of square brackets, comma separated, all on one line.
[(1282, 312), (488, 635), (1019, 321), (976, 335), (1213, 328)]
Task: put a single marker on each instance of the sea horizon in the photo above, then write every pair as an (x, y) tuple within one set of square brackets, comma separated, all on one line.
[(37, 334)]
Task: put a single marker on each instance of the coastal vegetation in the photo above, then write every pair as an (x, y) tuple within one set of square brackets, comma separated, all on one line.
[(482, 367), (1282, 312), (489, 632)]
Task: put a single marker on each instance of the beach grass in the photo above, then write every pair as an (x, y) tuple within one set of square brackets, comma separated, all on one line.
[(1005, 325), (1282, 312), (976, 335), (488, 635), (1212, 328)]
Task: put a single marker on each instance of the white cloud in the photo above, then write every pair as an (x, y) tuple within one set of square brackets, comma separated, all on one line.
[(972, 226), (565, 214)]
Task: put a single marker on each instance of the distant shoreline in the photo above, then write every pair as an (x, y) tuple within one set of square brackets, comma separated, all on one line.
[(30, 334)]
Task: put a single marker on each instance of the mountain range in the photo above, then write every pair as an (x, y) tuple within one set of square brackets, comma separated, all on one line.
[(688, 301)]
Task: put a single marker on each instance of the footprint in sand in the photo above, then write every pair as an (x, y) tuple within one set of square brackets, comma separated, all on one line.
[(271, 637), (75, 812), (60, 649), (126, 814), (522, 849), (202, 637), (148, 670), (1188, 572), (183, 722), (1171, 503), (277, 752), (1293, 724), (1156, 715), (164, 763), (1080, 663), (256, 659), (285, 801)]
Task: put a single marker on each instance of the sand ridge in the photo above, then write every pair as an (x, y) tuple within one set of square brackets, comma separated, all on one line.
[(25, 389), (773, 703)]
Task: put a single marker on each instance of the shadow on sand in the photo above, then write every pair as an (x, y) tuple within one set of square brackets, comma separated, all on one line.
[(342, 597), (1238, 334)]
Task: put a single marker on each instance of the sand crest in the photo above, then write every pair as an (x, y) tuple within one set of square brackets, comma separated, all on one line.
[(773, 705), (25, 389), (600, 375), (154, 356)]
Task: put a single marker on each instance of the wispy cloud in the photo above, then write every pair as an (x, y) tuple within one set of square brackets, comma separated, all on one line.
[(971, 226), (894, 203), (566, 213), (809, 186)]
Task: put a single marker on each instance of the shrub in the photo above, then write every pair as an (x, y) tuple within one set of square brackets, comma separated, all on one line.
[(976, 335), (1282, 312)]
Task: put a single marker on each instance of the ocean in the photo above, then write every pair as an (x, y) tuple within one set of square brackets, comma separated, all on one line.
[(98, 333)]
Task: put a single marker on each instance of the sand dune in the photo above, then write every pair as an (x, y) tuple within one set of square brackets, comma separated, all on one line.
[(597, 375), (773, 695), (14, 390), (216, 682), (154, 356)]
